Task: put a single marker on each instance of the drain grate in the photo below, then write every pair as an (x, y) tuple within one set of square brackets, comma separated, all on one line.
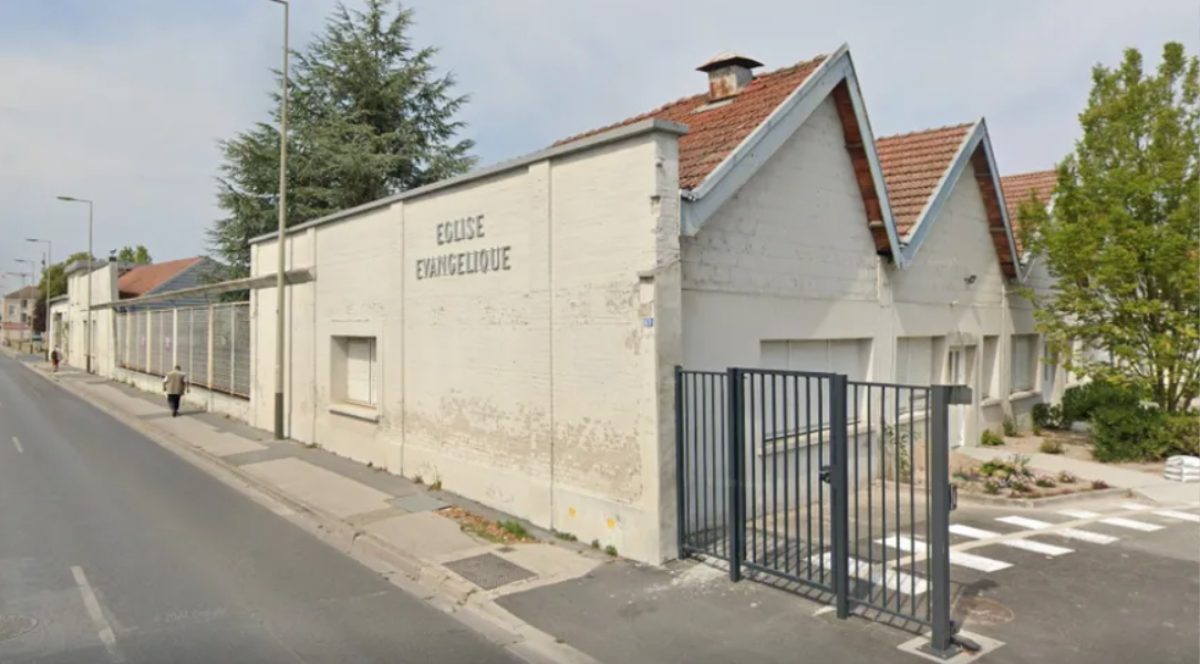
[(489, 571), (13, 626)]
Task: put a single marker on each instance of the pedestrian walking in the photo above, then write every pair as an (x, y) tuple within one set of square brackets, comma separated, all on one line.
[(175, 383), (55, 358)]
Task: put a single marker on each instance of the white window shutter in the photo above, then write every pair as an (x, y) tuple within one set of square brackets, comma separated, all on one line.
[(360, 356)]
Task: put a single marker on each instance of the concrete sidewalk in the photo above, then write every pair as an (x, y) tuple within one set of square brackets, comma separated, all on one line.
[(1147, 485)]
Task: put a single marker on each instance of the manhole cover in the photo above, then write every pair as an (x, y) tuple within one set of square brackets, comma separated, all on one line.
[(984, 611), (13, 626), (489, 571)]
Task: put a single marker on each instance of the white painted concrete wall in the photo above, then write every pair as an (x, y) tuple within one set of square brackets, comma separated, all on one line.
[(103, 283), (544, 390)]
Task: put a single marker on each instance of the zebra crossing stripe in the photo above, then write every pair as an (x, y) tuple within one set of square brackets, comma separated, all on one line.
[(1134, 506), (1182, 516), (895, 580), (1069, 533), (1024, 544), (960, 558), (1113, 521)]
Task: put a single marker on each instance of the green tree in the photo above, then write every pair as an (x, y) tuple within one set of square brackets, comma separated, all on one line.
[(1122, 238), (139, 255), (369, 117), (54, 278)]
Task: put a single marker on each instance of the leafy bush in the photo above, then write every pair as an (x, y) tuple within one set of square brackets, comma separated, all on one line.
[(1066, 477), (1130, 433), (990, 438), (991, 487), (1051, 446), (1045, 481), (1080, 403), (1183, 434), (1009, 426), (1046, 416)]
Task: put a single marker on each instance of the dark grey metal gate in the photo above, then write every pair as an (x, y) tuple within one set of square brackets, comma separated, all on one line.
[(840, 486)]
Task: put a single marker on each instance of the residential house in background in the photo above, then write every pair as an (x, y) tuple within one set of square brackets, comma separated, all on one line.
[(16, 314)]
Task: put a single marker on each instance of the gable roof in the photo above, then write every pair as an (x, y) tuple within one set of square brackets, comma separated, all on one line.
[(25, 293), (715, 130), (145, 278), (921, 169), (1020, 187), (913, 165)]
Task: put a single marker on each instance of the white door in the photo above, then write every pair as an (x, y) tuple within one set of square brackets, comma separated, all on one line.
[(960, 365)]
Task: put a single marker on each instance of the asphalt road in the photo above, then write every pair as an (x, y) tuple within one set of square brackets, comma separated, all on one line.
[(112, 549)]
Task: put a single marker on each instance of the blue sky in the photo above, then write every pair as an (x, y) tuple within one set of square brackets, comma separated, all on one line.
[(124, 101)]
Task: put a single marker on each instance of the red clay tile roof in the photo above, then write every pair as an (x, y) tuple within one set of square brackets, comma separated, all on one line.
[(145, 278), (26, 293), (913, 164), (715, 133), (1018, 188)]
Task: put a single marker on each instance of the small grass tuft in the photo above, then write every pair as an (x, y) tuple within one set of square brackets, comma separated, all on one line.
[(1010, 427), (1099, 484), (990, 438), (1066, 477), (1051, 446), (611, 550), (595, 544), (437, 485), (1045, 481), (417, 480), (514, 528), (566, 537)]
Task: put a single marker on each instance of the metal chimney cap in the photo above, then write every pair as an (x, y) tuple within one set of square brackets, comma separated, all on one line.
[(727, 58)]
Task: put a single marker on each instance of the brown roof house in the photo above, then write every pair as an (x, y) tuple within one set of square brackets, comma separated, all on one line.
[(513, 332), (141, 280), (16, 314)]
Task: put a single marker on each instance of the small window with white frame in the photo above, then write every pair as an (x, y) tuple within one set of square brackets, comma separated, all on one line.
[(987, 384), (355, 371)]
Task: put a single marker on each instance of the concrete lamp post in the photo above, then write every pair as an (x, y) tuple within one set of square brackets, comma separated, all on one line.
[(279, 249), (46, 276), (87, 327)]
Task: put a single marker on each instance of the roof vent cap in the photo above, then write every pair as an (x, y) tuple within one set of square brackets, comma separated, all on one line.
[(728, 73)]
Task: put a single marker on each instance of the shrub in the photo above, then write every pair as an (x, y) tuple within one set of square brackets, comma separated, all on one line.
[(1065, 477), (1045, 481), (1130, 433), (1051, 446), (1047, 417), (1081, 402), (1009, 426), (1019, 485), (990, 438), (1099, 484), (514, 528), (1183, 434), (610, 550), (991, 487)]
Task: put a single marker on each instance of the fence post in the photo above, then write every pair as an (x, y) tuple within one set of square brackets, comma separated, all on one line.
[(680, 489), (838, 482), (733, 481), (208, 340), (941, 641)]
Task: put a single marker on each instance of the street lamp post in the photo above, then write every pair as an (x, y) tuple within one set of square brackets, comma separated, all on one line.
[(279, 248), (46, 278), (87, 327)]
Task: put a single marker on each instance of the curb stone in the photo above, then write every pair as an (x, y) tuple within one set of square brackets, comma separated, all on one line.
[(433, 583)]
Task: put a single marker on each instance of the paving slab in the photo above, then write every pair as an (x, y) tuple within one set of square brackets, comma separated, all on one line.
[(424, 534), (551, 563), (489, 571), (319, 487)]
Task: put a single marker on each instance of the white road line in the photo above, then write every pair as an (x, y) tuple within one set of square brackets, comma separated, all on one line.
[(92, 604), (1135, 506), (1182, 516), (1024, 544), (1070, 533), (960, 558), (1113, 521), (17, 444), (895, 580)]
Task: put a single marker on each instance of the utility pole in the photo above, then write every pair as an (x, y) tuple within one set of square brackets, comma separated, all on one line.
[(46, 279), (279, 240)]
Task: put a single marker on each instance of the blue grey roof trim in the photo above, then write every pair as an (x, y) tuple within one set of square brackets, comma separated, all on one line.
[(614, 135)]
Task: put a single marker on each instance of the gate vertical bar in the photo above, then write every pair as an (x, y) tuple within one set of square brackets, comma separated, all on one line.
[(941, 640), (733, 479), (841, 514), (680, 486)]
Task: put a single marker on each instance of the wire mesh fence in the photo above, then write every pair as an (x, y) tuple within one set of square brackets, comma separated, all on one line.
[(210, 344)]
